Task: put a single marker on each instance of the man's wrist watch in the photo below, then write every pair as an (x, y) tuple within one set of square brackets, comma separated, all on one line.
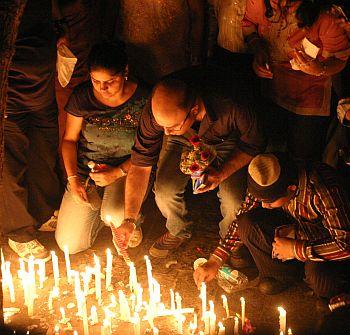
[(131, 221)]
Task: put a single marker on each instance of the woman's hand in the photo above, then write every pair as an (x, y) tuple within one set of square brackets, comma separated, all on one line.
[(261, 64), (307, 64), (78, 191), (206, 272), (106, 176)]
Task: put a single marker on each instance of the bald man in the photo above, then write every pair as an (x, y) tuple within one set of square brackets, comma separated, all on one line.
[(184, 104)]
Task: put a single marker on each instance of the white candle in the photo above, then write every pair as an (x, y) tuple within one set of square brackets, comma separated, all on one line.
[(41, 272), (235, 331), (133, 302), (57, 330), (180, 321), (82, 302), (155, 331), (9, 281), (283, 319), (222, 330), (98, 279), (206, 320), (203, 296), (31, 273), (63, 315), (137, 324), (93, 315), (139, 297), (86, 279), (290, 331), (149, 277), (225, 305), (109, 265), (56, 271), (124, 306), (68, 266), (243, 311), (172, 299), (212, 318), (178, 301), (77, 286), (132, 277), (156, 291), (106, 328)]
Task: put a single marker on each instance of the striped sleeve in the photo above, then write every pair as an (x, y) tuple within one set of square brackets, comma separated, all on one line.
[(231, 239), (333, 205)]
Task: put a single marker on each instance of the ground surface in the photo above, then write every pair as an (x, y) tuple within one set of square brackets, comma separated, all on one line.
[(261, 310)]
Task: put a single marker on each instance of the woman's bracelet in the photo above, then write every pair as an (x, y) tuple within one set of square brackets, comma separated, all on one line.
[(72, 176)]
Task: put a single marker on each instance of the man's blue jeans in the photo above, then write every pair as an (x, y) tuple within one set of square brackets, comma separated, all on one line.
[(171, 184)]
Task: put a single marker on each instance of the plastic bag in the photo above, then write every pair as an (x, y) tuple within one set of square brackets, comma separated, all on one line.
[(65, 64)]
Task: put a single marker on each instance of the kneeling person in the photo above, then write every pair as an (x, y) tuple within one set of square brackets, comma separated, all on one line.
[(292, 216)]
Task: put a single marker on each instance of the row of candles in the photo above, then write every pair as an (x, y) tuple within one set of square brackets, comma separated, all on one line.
[(152, 309)]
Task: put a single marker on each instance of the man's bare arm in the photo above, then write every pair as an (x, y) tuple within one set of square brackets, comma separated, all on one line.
[(135, 189)]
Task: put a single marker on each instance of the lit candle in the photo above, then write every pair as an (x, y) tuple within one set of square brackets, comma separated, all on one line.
[(86, 279), (82, 302), (137, 324), (290, 331), (98, 279), (180, 321), (156, 292), (77, 286), (57, 330), (243, 311), (132, 277), (155, 331), (283, 319), (206, 320), (63, 316), (56, 272), (203, 296), (41, 272), (31, 273), (54, 293), (212, 319), (75, 332), (172, 299), (225, 305), (178, 301), (67, 259), (222, 330), (106, 328), (149, 277), (133, 301), (139, 297), (93, 315), (124, 306), (9, 281), (109, 265), (113, 301), (235, 331)]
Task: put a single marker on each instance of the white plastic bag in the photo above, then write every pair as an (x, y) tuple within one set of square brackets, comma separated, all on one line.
[(65, 64)]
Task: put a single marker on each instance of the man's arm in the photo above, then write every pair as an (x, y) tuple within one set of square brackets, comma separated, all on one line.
[(135, 189), (333, 205)]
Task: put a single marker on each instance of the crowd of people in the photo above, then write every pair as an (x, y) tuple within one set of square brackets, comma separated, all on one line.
[(265, 83)]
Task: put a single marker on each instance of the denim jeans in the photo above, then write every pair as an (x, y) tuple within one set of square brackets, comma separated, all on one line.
[(171, 183), (78, 224)]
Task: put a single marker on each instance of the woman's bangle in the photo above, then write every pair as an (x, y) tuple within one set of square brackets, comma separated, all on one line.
[(72, 176)]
